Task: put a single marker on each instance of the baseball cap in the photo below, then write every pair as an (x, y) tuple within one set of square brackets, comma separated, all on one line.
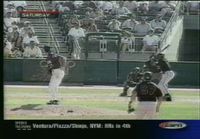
[(27, 22)]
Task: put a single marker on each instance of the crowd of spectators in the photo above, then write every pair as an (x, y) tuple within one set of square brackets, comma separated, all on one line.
[(106, 16), (19, 37), (141, 19)]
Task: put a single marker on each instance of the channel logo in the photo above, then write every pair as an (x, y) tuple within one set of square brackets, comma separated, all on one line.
[(172, 125)]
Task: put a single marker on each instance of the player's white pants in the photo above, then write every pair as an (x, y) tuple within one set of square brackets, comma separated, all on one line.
[(166, 78), (146, 110), (56, 79)]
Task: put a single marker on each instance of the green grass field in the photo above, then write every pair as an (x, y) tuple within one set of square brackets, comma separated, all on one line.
[(90, 103)]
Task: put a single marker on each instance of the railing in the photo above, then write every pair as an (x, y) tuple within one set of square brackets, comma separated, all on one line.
[(50, 29), (170, 25)]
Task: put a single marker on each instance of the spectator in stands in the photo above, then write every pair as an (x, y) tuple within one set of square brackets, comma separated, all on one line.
[(150, 41), (114, 25), (130, 23), (89, 4), (96, 14), (106, 6), (26, 29), (75, 34), (154, 7), (62, 8), (28, 38), (14, 35), (10, 7), (167, 7), (33, 51), (78, 4), (73, 21), (92, 27), (158, 23), (192, 6), (131, 5), (70, 4), (8, 20), (11, 32), (142, 28), (127, 42), (121, 10), (7, 48), (143, 7)]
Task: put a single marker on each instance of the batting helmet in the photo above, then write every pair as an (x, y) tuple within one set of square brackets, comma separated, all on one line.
[(160, 56), (147, 76)]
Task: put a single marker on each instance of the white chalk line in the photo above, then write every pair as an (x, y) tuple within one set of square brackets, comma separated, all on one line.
[(90, 87)]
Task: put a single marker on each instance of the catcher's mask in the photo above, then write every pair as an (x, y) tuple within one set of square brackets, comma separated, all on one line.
[(147, 76), (136, 69)]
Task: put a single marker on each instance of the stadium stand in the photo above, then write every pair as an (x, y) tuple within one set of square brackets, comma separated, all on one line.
[(53, 31)]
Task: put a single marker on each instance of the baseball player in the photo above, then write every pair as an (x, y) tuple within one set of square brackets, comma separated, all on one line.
[(56, 67), (149, 98), (132, 79), (167, 76), (152, 65)]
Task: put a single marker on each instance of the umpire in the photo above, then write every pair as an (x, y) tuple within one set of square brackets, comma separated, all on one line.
[(149, 98), (133, 78)]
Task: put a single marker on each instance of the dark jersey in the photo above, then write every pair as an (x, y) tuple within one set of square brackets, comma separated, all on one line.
[(164, 65), (135, 77), (147, 91), (152, 66), (56, 61)]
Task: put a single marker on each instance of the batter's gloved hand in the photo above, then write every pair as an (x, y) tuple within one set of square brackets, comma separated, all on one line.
[(49, 71), (131, 110), (168, 97)]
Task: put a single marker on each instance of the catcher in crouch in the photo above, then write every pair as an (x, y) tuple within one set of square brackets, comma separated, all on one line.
[(56, 67), (132, 79)]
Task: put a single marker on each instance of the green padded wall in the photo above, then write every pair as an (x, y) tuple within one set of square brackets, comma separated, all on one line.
[(100, 72), (95, 72), (77, 73), (187, 74), (13, 69), (32, 72)]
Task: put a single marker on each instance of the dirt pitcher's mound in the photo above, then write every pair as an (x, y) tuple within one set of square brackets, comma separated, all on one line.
[(66, 112)]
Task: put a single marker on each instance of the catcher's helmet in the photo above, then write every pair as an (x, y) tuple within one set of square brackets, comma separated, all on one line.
[(47, 49), (147, 76), (136, 69)]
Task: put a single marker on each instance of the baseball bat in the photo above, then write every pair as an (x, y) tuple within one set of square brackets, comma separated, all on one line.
[(161, 50)]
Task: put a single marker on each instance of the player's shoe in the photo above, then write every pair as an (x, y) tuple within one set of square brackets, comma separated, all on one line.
[(167, 97), (56, 102), (131, 110), (123, 94), (50, 102), (53, 102)]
